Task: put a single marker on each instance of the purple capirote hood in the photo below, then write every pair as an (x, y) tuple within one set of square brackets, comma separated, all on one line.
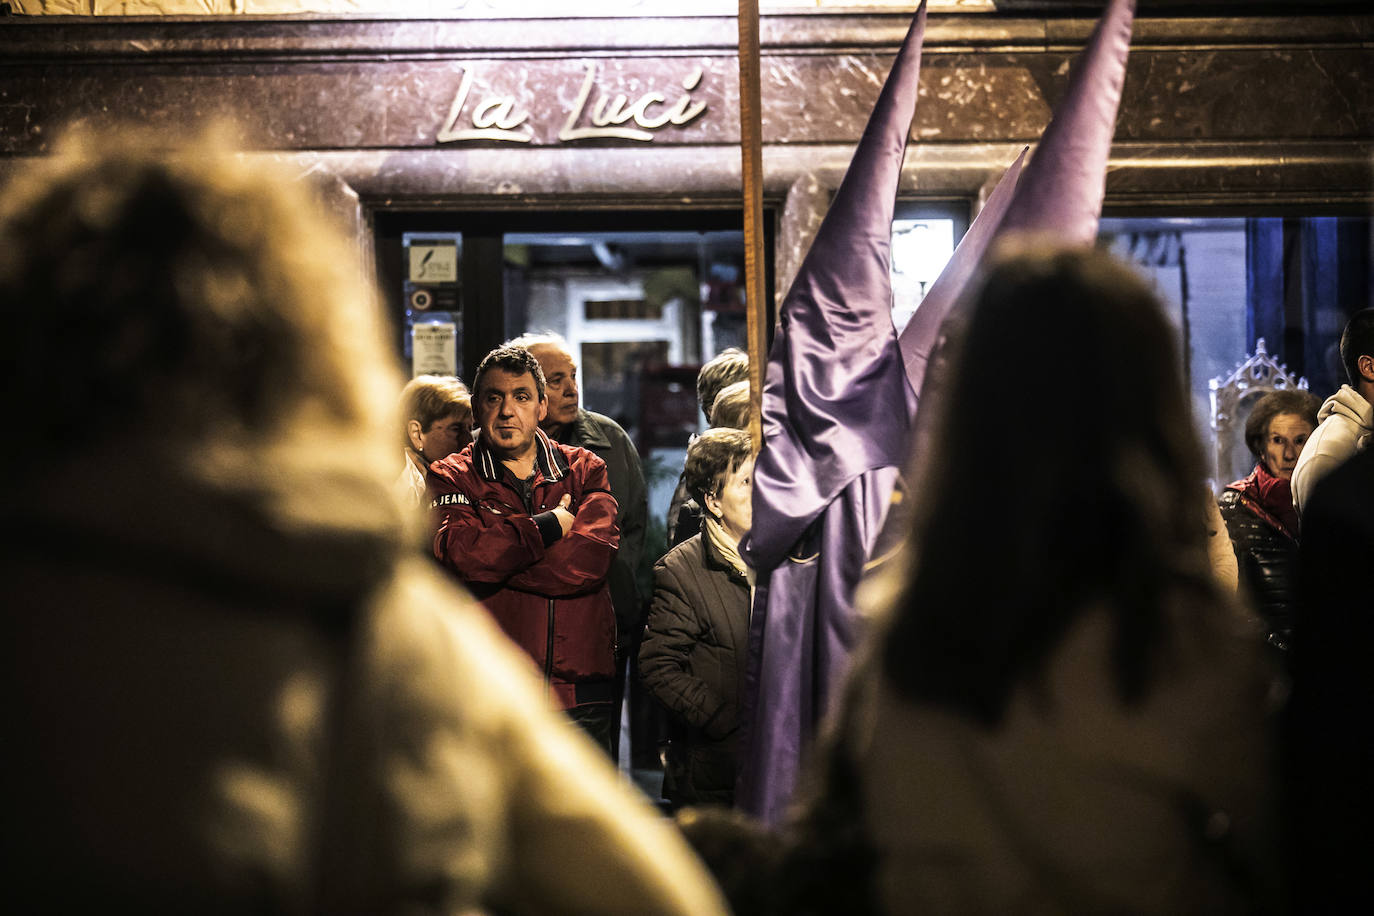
[(1060, 191), (836, 407), (922, 332), (1062, 188), (835, 400)]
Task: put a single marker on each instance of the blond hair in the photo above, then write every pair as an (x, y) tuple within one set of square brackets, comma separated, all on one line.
[(733, 406), (728, 366), (427, 399)]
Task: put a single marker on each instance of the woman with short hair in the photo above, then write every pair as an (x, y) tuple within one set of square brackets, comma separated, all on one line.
[(1259, 512), (436, 421), (692, 658)]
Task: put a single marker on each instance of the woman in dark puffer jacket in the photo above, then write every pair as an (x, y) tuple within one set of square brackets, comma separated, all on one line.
[(1259, 509), (692, 658)]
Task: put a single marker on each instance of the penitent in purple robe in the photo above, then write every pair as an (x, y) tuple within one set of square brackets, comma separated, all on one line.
[(836, 409), (833, 434)]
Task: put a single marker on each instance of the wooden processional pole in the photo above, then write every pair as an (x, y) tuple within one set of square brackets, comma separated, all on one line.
[(751, 161)]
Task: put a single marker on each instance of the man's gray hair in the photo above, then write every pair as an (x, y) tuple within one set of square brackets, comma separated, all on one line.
[(531, 339)]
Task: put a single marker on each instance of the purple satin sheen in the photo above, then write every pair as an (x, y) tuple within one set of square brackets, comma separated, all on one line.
[(798, 659), (836, 414), (835, 382), (1062, 188), (919, 336)]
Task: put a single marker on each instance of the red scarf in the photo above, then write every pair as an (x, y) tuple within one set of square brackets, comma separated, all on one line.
[(1269, 497)]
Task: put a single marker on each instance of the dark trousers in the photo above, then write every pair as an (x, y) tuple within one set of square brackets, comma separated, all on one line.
[(648, 721), (601, 722), (621, 664)]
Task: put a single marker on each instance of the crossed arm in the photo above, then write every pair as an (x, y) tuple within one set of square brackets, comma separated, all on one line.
[(516, 550)]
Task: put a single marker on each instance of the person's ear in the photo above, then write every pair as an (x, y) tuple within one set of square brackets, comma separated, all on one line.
[(711, 503), (1365, 365), (543, 409), (415, 433)]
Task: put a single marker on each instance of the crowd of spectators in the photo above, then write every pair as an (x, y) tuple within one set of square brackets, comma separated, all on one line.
[(239, 685)]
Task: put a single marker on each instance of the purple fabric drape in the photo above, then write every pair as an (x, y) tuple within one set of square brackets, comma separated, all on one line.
[(841, 393), (923, 330), (804, 623), (1060, 191), (836, 407), (1062, 188)]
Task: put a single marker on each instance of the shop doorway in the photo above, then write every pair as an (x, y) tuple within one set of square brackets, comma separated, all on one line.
[(643, 299)]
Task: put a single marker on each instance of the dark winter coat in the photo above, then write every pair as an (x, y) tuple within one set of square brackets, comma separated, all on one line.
[(548, 592), (684, 513), (1266, 556), (692, 661)]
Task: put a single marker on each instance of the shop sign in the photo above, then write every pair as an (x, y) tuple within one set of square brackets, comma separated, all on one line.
[(596, 114), (434, 263)]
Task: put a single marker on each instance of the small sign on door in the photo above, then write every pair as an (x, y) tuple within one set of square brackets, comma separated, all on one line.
[(434, 263), (434, 348)]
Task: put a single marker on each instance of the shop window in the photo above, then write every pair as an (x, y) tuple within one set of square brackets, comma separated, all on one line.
[(924, 234), (1229, 283), (920, 250), (641, 311)]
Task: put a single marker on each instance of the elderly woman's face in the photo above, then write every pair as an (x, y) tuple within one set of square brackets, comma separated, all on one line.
[(733, 499), (1283, 443), (446, 435)]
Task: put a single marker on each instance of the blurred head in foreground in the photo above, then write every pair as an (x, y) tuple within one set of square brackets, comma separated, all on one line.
[(185, 298), (239, 693), (1063, 426)]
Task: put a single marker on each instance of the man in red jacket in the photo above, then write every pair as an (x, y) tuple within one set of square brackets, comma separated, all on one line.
[(529, 525)]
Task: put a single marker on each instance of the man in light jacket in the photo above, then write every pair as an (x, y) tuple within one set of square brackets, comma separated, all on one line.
[(1346, 420)]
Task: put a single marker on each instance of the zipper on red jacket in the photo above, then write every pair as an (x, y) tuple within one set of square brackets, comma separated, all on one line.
[(527, 497), (548, 649)]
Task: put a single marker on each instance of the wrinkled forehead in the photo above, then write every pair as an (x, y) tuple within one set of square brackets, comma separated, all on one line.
[(502, 381), (1289, 422), (553, 359)]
